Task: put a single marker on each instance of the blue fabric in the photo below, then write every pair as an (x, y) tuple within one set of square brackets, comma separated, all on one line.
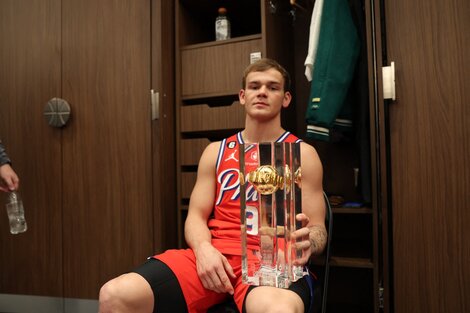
[(3, 155), (311, 283)]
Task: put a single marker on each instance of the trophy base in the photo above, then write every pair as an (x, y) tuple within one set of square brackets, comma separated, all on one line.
[(267, 276)]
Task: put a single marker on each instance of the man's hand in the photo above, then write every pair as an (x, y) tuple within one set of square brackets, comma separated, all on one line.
[(9, 181), (310, 239), (212, 268)]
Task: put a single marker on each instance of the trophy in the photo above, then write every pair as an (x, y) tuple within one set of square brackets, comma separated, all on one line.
[(270, 198)]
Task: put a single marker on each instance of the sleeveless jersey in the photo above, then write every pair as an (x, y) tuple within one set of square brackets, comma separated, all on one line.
[(225, 223)]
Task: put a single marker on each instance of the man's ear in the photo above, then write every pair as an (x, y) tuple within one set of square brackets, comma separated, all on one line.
[(241, 96), (287, 99)]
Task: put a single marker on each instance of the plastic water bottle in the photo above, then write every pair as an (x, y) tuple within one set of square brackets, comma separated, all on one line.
[(222, 25), (15, 212)]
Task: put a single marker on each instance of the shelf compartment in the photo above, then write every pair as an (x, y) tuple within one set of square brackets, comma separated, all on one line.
[(351, 262), (350, 290), (200, 118), (219, 67), (343, 262), (352, 236), (188, 179), (344, 210), (191, 150), (196, 19)]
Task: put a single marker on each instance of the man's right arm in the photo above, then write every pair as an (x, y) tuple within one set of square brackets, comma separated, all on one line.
[(8, 178), (212, 266), (4, 159)]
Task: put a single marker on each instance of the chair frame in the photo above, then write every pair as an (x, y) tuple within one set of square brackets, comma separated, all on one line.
[(329, 224)]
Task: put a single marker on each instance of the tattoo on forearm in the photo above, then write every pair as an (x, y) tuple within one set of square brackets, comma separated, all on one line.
[(317, 237)]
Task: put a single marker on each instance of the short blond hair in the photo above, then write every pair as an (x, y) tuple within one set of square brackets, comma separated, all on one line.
[(264, 65)]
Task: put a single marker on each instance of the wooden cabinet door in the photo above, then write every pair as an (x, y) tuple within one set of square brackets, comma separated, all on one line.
[(163, 126), (107, 198), (429, 140), (87, 187), (30, 75)]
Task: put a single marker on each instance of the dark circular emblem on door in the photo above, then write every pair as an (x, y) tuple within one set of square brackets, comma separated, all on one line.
[(57, 112)]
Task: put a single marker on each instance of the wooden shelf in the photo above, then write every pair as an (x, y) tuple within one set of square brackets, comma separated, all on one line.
[(191, 150), (343, 210), (195, 118), (351, 262), (344, 262), (221, 42), (213, 135), (188, 180)]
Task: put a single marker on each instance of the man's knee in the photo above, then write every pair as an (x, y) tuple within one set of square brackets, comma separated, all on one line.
[(126, 293), (110, 296), (275, 307), (262, 299)]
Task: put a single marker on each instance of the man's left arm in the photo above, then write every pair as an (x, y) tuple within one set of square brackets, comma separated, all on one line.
[(313, 235)]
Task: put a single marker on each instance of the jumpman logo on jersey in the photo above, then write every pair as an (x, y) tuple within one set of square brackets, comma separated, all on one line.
[(232, 156)]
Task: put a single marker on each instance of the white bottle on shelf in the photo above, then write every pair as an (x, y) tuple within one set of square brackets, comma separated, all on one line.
[(222, 25)]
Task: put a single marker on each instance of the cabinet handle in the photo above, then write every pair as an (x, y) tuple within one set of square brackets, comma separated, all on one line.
[(388, 78), (57, 112), (155, 101)]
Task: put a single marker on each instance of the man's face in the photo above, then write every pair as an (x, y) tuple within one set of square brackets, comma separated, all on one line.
[(264, 94)]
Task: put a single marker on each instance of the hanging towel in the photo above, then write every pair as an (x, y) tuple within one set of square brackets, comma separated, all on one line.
[(314, 35), (337, 53)]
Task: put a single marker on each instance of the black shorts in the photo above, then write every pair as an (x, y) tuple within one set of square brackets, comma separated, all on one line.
[(166, 288), (169, 298)]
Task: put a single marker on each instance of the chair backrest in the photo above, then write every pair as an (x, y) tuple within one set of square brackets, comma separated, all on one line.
[(329, 228), (321, 265)]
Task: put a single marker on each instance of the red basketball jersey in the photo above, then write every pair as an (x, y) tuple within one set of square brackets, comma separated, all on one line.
[(225, 223)]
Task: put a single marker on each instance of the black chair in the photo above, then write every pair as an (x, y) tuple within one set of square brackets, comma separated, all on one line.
[(321, 269), (321, 265)]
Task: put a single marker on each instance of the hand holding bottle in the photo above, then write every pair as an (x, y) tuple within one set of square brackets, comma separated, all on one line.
[(9, 181)]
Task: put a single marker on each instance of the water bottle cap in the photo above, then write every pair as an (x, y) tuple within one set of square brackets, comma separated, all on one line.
[(222, 10)]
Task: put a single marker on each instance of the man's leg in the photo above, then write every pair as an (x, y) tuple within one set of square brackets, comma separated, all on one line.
[(151, 285), (271, 299), (296, 299), (126, 293)]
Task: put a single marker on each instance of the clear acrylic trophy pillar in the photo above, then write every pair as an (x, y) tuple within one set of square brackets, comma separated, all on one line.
[(270, 198)]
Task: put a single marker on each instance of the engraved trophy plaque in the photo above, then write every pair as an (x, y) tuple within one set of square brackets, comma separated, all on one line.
[(270, 198)]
